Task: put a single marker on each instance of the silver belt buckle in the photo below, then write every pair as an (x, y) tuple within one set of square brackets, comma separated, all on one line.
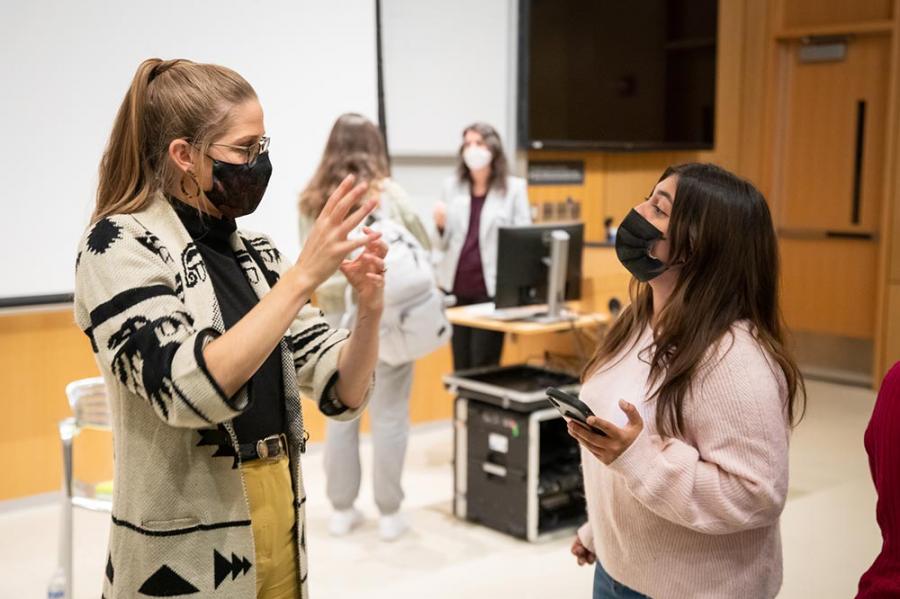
[(270, 448)]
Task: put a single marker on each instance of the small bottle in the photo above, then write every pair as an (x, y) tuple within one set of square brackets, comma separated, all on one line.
[(610, 231), (549, 212), (562, 211), (56, 589)]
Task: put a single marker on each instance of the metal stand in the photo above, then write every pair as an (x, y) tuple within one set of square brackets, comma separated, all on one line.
[(558, 264), (67, 433)]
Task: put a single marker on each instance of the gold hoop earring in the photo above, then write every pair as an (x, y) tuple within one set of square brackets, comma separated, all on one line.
[(184, 190)]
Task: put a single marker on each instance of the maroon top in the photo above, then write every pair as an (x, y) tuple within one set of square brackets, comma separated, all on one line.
[(469, 283), (883, 446)]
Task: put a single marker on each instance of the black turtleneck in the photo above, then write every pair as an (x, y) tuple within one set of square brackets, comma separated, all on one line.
[(265, 414)]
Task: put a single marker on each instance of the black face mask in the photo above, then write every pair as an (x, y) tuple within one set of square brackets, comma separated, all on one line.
[(238, 189), (634, 239)]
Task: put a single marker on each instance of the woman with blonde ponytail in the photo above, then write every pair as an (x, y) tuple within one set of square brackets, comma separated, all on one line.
[(206, 339)]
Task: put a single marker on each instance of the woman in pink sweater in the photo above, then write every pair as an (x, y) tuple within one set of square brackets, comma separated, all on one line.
[(696, 394)]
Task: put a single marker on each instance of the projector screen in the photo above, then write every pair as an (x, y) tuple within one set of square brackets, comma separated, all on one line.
[(66, 66), (443, 70)]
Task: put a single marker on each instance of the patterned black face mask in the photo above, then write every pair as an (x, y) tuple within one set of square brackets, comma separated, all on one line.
[(238, 189), (634, 239)]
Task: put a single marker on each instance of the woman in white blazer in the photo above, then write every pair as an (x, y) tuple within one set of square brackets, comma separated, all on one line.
[(478, 200)]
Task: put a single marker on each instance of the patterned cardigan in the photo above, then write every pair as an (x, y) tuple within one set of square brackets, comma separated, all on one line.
[(181, 521)]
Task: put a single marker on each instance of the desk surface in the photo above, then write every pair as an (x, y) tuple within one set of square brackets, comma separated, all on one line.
[(474, 316)]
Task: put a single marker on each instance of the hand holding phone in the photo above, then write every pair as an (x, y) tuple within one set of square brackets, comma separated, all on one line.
[(571, 407)]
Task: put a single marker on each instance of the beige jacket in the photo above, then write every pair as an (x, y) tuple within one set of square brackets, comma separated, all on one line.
[(181, 521)]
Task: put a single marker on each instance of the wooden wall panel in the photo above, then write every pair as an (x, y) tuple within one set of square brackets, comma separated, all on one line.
[(824, 283), (891, 350), (604, 278), (801, 13), (590, 194), (886, 352), (429, 400), (753, 97), (892, 236), (731, 87), (40, 353), (630, 178)]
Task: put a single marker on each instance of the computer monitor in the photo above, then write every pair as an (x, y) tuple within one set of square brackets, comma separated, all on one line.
[(522, 263)]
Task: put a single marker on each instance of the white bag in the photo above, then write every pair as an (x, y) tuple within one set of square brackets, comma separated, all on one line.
[(413, 324)]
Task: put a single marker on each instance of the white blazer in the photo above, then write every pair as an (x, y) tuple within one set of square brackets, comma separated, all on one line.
[(500, 210)]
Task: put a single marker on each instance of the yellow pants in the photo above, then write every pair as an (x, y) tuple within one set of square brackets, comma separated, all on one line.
[(272, 516)]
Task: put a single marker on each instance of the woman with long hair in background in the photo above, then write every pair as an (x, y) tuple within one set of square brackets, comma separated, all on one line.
[(356, 147)]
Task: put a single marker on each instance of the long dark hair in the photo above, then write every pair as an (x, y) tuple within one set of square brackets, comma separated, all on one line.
[(355, 146), (721, 232), (499, 166)]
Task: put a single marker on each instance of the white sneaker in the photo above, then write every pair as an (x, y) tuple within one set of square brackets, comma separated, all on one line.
[(392, 527), (344, 521)]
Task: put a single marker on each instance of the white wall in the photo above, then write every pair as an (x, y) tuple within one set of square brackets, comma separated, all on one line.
[(423, 178), (446, 65), (65, 67)]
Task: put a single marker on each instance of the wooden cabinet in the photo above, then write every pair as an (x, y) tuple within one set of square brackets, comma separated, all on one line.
[(892, 234)]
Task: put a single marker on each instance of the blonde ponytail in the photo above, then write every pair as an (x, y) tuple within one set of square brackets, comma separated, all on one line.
[(167, 100)]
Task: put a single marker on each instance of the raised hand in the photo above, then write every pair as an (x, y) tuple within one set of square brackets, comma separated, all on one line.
[(366, 273), (327, 245), (440, 215)]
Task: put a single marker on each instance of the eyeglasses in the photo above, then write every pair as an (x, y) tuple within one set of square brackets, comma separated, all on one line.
[(252, 151)]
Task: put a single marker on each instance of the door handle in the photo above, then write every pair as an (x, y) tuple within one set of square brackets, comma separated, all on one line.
[(811, 234), (858, 160), (849, 235)]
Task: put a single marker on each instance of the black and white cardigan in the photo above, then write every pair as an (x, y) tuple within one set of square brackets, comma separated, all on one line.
[(181, 521)]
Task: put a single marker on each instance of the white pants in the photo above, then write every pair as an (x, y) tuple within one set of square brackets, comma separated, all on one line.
[(389, 416)]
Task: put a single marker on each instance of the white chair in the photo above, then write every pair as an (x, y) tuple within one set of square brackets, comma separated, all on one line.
[(90, 409)]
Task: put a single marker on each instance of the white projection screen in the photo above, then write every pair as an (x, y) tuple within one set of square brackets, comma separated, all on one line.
[(65, 67)]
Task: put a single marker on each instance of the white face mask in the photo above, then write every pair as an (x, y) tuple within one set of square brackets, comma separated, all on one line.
[(476, 157)]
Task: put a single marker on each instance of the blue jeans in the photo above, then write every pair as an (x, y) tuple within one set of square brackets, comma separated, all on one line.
[(607, 588)]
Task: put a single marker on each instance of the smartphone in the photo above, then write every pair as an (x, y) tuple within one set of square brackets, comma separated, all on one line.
[(571, 407)]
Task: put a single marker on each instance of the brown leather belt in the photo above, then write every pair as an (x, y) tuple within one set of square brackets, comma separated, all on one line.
[(272, 447)]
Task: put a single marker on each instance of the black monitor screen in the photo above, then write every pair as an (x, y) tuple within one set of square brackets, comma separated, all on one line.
[(608, 74), (521, 269)]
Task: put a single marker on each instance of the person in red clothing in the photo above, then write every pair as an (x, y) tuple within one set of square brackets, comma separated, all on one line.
[(882, 580)]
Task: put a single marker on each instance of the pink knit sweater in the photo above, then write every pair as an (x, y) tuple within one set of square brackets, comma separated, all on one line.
[(696, 516)]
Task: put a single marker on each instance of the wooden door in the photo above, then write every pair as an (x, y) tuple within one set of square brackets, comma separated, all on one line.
[(828, 183)]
